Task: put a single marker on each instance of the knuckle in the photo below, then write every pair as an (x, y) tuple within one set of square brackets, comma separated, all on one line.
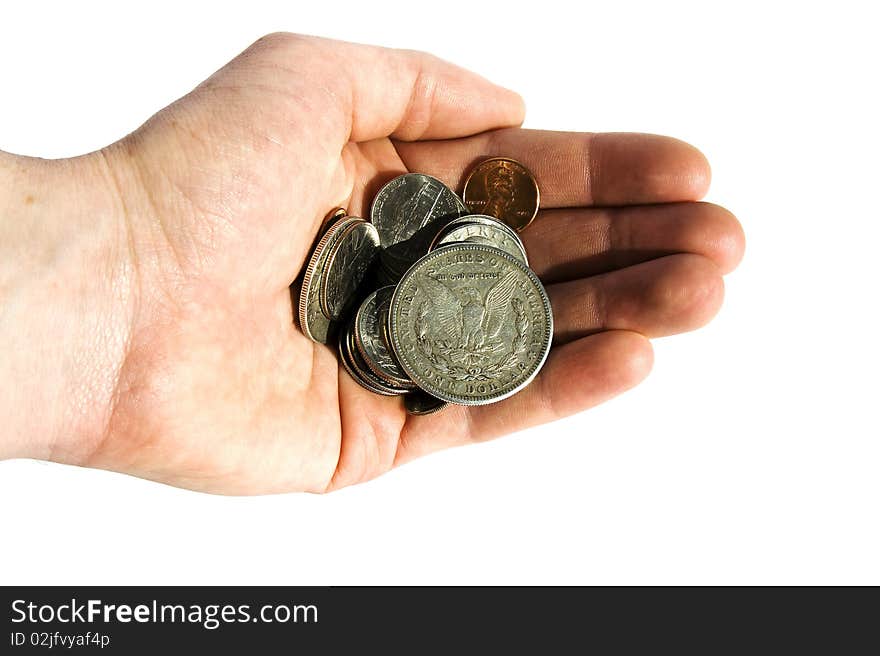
[(281, 45), (419, 57), (423, 96), (275, 39)]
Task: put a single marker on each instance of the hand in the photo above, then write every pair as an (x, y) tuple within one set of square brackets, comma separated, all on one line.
[(171, 352)]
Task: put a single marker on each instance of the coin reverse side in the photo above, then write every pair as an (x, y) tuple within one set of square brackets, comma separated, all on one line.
[(409, 203), (470, 324), (484, 233)]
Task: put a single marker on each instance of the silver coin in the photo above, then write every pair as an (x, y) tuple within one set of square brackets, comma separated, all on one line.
[(409, 203), (483, 219), (347, 358), (470, 324), (352, 372), (312, 320), (422, 403), (408, 212), (482, 232), (366, 373), (370, 340), (480, 219), (350, 260)]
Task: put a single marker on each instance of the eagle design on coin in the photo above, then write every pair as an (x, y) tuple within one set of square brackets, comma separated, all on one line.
[(464, 319)]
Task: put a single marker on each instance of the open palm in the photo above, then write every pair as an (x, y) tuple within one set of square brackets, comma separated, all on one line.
[(224, 191)]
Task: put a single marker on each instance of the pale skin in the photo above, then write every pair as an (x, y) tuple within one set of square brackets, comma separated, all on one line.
[(145, 303)]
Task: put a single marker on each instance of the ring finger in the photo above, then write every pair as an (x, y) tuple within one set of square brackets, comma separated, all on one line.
[(665, 296)]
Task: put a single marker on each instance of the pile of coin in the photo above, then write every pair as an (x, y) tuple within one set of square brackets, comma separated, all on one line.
[(433, 298)]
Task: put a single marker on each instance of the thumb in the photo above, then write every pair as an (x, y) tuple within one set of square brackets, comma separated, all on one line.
[(368, 92)]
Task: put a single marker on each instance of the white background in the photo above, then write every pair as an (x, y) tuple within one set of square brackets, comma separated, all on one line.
[(751, 453)]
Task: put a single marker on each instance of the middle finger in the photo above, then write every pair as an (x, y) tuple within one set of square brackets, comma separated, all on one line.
[(564, 244)]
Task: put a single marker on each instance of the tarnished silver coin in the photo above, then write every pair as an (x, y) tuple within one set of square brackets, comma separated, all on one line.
[(312, 320), (349, 262), (409, 203), (470, 324), (356, 369), (366, 373), (422, 403), (408, 212), (490, 232), (369, 337), (483, 219)]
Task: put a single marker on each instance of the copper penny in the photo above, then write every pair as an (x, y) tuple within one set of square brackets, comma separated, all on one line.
[(503, 188)]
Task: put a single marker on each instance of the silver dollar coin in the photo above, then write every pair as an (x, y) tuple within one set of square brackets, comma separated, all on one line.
[(407, 213), (312, 320), (483, 219), (349, 262), (470, 324), (483, 232), (369, 338)]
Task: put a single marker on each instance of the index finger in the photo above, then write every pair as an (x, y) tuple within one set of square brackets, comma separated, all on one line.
[(575, 169)]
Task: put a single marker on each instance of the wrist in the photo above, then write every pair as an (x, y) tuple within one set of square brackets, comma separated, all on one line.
[(66, 300)]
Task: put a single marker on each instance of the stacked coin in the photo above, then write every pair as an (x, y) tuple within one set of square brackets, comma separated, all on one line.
[(429, 300), (334, 276), (407, 213), (482, 229)]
